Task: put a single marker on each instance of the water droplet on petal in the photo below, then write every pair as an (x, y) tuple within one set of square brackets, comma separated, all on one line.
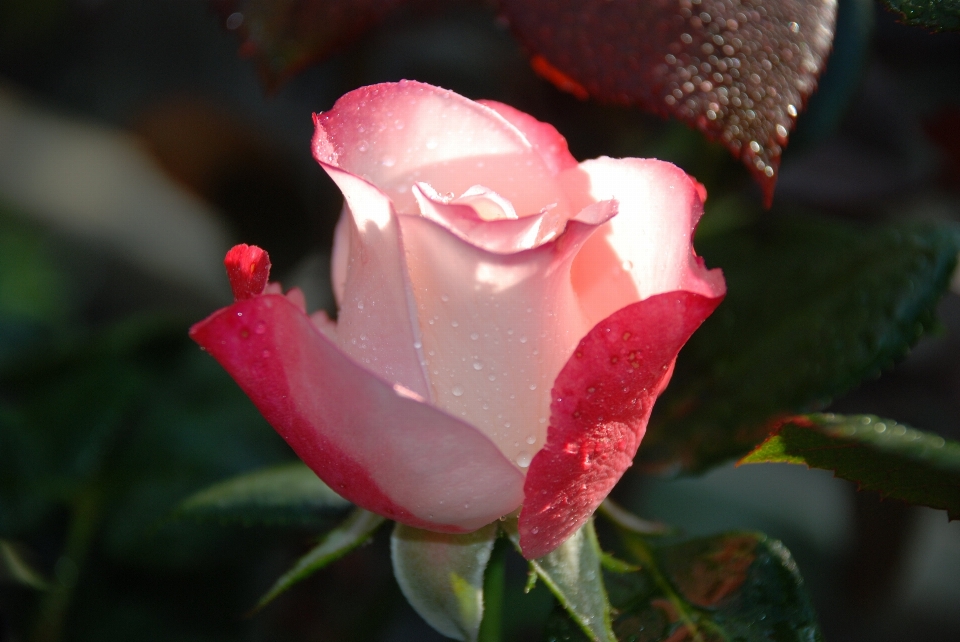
[(477, 365), (474, 336), (388, 161), (431, 143), (533, 386), (260, 329), (455, 324), (457, 391), (627, 265), (523, 459), (531, 440)]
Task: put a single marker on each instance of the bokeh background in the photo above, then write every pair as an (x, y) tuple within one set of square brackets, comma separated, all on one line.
[(136, 146)]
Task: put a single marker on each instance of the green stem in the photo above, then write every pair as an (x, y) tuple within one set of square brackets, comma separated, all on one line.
[(56, 602), (491, 628)]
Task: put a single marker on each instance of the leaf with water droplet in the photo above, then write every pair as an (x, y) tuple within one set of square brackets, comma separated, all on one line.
[(286, 494), (878, 454), (735, 586), (441, 575), (738, 70), (573, 574), (938, 15), (813, 307)]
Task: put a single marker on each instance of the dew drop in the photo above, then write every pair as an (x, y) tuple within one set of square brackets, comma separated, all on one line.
[(388, 161), (417, 345), (492, 377), (523, 460), (359, 305), (627, 265), (477, 365), (533, 386), (542, 420), (457, 391), (431, 143), (455, 324), (444, 298), (474, 336), (266, 354), (531, 440), (523, 339), (260, 329), (362, 146)]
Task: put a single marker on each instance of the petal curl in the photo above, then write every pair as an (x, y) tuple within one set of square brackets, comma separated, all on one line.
[(377, 444), (549, 143), (396, 134), (601, 403), (647, 248), (505, 235)]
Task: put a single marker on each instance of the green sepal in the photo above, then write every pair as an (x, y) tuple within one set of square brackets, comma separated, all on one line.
[(441, 575), (573, 574), (351, 533)]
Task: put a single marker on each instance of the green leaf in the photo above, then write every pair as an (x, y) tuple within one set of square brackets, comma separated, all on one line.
[(938, 15), (287, 494), (879, 454), (813, 307), (735, 586), (353, 532), (13, 565), (441, 575), (573, 574)]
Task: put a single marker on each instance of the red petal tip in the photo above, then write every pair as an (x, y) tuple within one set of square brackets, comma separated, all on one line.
[(248, 268)]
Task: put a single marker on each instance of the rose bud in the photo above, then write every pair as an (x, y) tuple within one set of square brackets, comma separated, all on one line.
[(507, 316)]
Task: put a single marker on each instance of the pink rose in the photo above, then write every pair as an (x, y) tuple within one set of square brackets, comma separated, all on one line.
[(507, 316)]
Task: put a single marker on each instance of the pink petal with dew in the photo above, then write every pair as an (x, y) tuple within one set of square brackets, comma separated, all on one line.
[(376, 443), (396, 134), (375, 325), (647, 248), (497, 328), (544, 137), (602, 401)]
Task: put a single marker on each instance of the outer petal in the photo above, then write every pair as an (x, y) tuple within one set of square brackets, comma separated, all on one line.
[(602, 400), (648, 248), (544, 137), (397, 134), (497, 328), (375, 325), (376, 444)]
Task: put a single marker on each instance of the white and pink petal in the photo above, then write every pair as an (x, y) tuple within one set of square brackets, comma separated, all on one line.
[(374, 442)]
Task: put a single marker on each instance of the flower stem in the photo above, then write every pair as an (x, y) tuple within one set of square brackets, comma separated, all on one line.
[(491, 628), (56, 602)]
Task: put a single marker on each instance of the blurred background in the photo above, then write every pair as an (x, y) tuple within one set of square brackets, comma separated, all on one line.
[(136, 147)]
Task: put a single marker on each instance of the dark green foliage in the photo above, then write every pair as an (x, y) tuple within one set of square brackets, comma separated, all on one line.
[(735, 586), (813, 307), (287, 494), (937, 15), (878, 454)]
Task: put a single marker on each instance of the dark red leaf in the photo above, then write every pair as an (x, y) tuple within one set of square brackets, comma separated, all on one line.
[(284, 36), (738, 70)]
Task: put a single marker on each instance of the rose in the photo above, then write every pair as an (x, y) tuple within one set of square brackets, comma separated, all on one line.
[(507, 316)]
